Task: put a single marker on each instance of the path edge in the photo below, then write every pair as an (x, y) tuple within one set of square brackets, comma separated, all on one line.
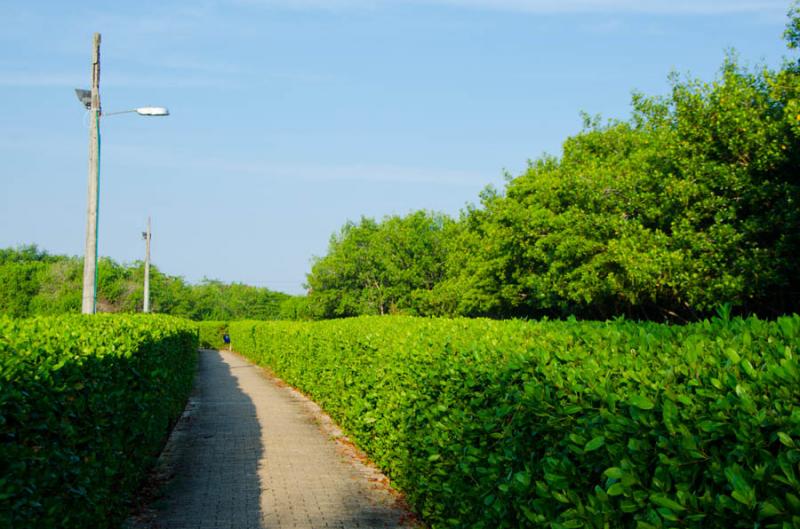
[(345, 446)]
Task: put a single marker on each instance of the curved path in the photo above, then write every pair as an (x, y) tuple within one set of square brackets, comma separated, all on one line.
[(251, 453)]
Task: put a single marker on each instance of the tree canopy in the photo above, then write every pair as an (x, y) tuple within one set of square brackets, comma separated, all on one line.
[(689, 204), (382, 267)]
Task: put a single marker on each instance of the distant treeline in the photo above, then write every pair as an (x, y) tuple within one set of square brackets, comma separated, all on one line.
[(33, 282), (692, 203)]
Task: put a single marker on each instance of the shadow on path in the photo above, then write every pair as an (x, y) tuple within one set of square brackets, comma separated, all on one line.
[(211, 459), (251, 453)]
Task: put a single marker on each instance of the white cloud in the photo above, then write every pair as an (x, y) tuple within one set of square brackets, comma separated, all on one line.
[(69, 81), (666, 7), (355, 173), (696, 7), (374, 173), (307, 172), (21, 79)]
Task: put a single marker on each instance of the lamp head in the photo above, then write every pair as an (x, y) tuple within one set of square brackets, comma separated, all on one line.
[(152, 111)]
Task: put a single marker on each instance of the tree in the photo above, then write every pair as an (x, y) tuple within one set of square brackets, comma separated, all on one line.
[(214, 300), (792, 33), (60, 290), (382, 267), (691, 203)]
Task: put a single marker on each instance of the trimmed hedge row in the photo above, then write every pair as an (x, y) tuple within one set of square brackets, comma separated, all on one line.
[(489, 424), (211, 334), (85, 405)]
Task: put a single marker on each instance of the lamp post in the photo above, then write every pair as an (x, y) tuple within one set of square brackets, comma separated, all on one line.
[(91, 100)]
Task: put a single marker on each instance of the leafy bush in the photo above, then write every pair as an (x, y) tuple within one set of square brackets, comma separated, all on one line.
[(488, 424), (211, 333), (85, 405)]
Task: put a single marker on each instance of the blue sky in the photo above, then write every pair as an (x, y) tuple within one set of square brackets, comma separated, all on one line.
[(290, 117)]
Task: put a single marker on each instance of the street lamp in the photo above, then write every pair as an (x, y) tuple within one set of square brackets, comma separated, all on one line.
[(91, 100)]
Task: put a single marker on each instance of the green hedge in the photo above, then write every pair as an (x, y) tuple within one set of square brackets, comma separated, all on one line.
[(490, 424), (211, 334), (85, 405)]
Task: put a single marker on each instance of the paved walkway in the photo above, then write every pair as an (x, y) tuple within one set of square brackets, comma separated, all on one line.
[(250, 453)]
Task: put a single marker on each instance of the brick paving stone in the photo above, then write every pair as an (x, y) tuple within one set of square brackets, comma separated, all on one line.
[(250, 452)]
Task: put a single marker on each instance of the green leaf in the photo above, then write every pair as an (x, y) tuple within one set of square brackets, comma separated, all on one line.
[(663, 501), (669, 412), (749, 369), (733, 356), (613, 473), (600, 494), (743, 497), (793, 501), (709, 426), (615, 489), (769, 510), (594, 444), (523, 478), (560, 497), (529, 514), (786, 439), (641, 402)]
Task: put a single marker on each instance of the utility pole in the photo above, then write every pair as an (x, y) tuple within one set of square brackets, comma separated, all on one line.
[(147, 235), (89, 304)]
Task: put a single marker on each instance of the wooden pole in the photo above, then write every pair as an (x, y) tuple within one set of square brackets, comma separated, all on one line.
[(89, 303), (147, 236)]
